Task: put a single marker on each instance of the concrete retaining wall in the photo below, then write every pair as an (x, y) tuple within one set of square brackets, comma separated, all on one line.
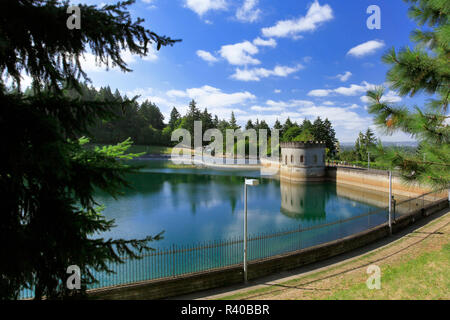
[(376, 180), (159, 289)]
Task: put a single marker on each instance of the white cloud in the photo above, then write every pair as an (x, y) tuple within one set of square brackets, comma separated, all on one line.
[(365, 99), (272, 105), (249, 11), (150, 2), (277, 91), (217, 101), (89, 63), (265, 109), (328, 103), (346, 121), (176, 93), (340, 117), (353, 90), (202, 6), (315, 17), (151, 55), (267, 43), (290, 103), (240, 53), (164, 104), (319, 93), (211, 97), (366, 48), (256, 74), (207, 56), (344, 77), (390, 96)]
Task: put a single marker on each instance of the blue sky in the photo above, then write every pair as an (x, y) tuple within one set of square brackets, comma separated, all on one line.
[(266, 59)]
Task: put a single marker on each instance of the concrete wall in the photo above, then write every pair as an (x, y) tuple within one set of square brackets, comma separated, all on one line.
[(227, 276), (363, 179), (376, 180)]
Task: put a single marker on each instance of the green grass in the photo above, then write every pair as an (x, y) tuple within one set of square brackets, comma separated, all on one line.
[(312, 276), (424, 277), (360, 291), (142, 149)]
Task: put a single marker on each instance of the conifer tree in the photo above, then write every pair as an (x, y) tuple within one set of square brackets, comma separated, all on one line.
[(287, 125), (277, 125), (233, 122), (423, 69), (249, 125), (207, 121), (192, 115), (49, 218), (215, 121), (174, 118)]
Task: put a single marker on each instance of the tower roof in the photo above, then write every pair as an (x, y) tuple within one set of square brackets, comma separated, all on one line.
[(303, 144)]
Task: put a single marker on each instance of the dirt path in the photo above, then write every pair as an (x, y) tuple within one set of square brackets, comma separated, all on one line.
[(425, 249)]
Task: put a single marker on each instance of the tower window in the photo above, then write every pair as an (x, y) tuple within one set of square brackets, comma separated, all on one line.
[(301, 159), (315, 158), (292, 159)]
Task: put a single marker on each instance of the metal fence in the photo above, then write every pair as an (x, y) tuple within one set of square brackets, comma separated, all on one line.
[(178, 260), (403, 204)]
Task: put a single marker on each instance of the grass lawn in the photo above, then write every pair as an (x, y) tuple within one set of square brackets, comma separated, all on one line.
[(141, 148), (416, 266), (425, 277)]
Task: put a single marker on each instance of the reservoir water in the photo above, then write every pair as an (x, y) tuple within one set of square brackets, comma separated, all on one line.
[(192, 205), (201, 212)]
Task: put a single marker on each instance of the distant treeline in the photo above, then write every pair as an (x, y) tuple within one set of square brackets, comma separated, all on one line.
[(144, 123)]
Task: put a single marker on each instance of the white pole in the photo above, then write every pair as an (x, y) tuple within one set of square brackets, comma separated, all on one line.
[(248, 182), (390, 202), (245, 233)]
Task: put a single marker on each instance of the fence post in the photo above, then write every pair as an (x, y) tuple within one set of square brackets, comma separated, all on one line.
[(245, 233), (173, 260), (390, 202)]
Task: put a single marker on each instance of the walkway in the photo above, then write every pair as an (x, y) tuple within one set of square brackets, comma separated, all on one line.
[(346, 273)]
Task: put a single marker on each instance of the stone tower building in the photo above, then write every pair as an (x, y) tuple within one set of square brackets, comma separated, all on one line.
[(302, 161)]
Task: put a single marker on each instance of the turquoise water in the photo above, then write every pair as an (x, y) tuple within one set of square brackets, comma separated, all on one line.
[(197, 207), (196, 204)]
